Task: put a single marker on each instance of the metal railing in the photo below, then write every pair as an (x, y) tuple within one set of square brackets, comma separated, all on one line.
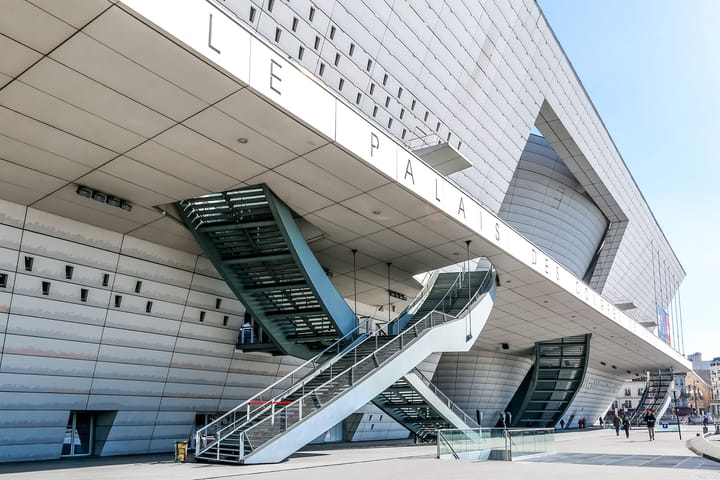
[(279, 411), (469, 421), (494, 443)]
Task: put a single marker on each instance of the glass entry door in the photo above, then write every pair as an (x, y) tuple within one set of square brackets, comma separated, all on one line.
[(79, 435)]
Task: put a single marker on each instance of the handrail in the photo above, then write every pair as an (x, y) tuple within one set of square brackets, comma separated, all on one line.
[(258, 396), (441, 436), (449, 403), (253, 415)]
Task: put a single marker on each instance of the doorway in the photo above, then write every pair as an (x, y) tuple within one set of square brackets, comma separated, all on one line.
[(79, 435)]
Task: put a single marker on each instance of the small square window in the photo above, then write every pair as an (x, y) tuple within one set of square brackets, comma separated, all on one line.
[(138, 286), (218, 302), (202, 316), (148, 307), (46, 288), (118, 301), (3, 280), (83, 294), (69, 272), (226, 318), (105, 279), (29, 263)]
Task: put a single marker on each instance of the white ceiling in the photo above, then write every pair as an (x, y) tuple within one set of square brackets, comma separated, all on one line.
[(90, 95)]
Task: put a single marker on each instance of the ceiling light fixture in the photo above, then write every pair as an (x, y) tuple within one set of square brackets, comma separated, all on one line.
[(102, 197), (242, 140)]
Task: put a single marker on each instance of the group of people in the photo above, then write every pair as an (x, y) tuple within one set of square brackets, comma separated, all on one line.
[(648, 418)]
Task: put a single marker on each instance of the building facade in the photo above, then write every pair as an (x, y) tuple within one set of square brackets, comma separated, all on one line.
[(399, 135)]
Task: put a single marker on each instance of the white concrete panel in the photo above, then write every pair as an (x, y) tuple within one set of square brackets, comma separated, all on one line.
[(152, 252), (49, 347), (153, 271), (78, 232), (34, 365), (37, 306), (135, 355)]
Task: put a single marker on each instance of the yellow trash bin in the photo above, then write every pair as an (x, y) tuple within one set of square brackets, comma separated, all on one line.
[(181, 449)]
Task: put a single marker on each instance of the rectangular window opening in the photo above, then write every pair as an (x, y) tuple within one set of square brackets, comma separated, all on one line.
[(337, 59), (390, 121), (387, 101), (372, 88), (412, 105), (69, 272), (385, 79), (138, 286), (400, 91), (278, 31), (311, 17), (148, 307), (369, 64), (358, 97), (437, 126), (341, 84), (46, 288), (105, 279), (375, 108), (404, 132), (202, 316), (301, 52), (332, 32), (84, 294), (322, 69), (226, 318), (352, 49), (29, 263), (294, 24), (426, 116), (3, 280), (218, 303), (402, 113), (252, 14), (271, 4), (118, 301), (316, 45)]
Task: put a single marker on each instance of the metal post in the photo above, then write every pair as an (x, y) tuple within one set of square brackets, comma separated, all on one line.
[(388, 265), (354, 252), (467, 246), (677, 413)]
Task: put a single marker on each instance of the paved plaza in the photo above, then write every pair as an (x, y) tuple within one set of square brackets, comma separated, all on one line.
[(587, 455)]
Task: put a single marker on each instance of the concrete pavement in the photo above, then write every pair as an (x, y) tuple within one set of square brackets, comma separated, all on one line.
[(586, 455)]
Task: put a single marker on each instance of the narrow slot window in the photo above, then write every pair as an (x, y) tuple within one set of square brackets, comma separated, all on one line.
[(301, 52), (369, 64), (322, 69), (226, 318), (404, 132), (400, 91), (29, 263), (372, 88), (218, 303), (118, 301), (202, 316), (148, 307), (390, 122), (358, 97), (316, 45), (46, 288), (311, 17), (138, 286), (341, 84), (352, 49), (69, 272), (278, 31), (252, 14), (402, 113), (105, 279), (332, 32), (271, 4), (294, 24), (84, 294), (437, 127), (426, 116), (3, 280), (375, 108), (412, 105), (337, 59), (387, 101), (385, 79)]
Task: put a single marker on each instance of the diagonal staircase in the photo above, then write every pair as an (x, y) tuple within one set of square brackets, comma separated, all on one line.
[(656, 395), (414, 402), (254, 243), (335, 383)]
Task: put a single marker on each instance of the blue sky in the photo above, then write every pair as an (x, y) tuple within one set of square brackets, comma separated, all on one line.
[(652, 69)]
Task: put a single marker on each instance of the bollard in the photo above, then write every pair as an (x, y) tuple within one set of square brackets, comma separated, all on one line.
[(717, 429)]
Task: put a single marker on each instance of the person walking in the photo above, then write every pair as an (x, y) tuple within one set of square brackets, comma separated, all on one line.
[(649, 418), (616, 423), (626, 425), (602, 422)]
